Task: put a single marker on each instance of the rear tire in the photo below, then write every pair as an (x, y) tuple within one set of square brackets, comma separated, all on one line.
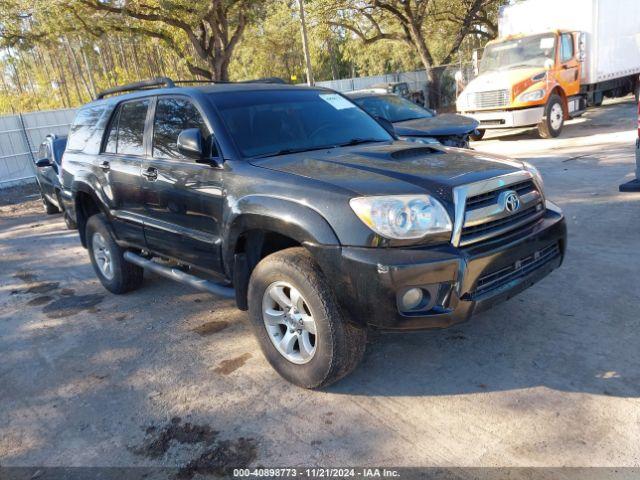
[(69, 222), (478, 137), (49, 208), (336, 347), (114, 272), (553, 120)]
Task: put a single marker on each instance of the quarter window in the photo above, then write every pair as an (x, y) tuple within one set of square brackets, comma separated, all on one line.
[(84, 126), (174, 115), (567, 48)]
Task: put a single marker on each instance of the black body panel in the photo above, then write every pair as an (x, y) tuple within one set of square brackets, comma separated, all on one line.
[(196, 211)]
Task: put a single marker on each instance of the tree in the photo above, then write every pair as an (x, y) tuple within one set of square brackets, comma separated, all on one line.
[(203, 33), (412, 22)]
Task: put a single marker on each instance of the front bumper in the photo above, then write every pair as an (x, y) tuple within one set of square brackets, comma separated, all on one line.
[(507, 118), (368, 281)]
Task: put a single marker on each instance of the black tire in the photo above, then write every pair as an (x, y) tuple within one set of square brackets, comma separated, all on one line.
[(49, 208), (548, 127), (126, 276), (69, 222), (479, 136), (339, 344)]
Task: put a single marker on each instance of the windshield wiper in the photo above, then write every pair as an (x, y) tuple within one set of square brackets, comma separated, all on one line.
[(359, 141), (286, 151)]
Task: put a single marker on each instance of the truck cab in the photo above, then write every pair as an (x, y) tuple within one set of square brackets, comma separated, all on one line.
[(527, 80)]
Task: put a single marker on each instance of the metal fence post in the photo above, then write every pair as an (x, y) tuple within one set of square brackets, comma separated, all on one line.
[(28, 142)]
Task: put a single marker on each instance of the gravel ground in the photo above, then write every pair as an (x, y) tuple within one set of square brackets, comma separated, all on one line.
[(167, 376)]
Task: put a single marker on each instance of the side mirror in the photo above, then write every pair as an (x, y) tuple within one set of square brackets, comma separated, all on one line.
[(44, 162), (190, 143), (548, 64), (387, 125)]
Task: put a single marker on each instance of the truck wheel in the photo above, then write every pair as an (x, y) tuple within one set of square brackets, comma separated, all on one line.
[(553, 119), (49, 208), (478, 137), (114, 272), (298, 323)]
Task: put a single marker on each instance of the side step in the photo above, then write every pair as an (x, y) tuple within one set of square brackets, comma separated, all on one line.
[(180, 276)]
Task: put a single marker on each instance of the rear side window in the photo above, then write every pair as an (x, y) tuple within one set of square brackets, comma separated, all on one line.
[(84, 126), (172, 116), (126, 132)]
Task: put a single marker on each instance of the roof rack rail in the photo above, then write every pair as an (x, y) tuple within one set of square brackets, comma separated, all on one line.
[(155, 82), (214, 82)]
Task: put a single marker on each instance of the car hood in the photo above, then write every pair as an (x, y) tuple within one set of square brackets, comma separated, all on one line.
[(393, 168), (445, 124)]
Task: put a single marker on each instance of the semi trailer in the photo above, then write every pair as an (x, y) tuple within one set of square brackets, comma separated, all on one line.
[(552, 60)]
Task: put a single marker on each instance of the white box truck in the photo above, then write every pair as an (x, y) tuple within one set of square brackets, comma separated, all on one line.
[(553, 58)]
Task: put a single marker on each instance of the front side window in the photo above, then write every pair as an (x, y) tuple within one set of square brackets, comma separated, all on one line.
[(392, 107), (174, 115), (264, 123), (126, 133), (567, 48)]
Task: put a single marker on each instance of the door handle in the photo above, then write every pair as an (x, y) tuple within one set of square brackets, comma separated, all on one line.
[(105, 166), (150, 174)]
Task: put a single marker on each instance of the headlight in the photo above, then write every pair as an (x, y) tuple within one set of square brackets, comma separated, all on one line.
[(402, 217), (427, 140), (535, 172), (532, 96)]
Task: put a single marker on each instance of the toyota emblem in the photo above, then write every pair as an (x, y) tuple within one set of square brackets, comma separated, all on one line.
[(510, 201)]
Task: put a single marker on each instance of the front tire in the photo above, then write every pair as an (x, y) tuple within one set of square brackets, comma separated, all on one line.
[(476, 137), (114, 272), (553, 120), (300, 328)]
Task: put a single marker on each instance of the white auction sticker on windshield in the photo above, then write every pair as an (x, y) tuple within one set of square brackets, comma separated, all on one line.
[(336, 101), (546, 42)]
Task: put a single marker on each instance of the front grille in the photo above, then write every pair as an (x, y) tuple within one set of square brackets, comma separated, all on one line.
[(490, 99), (485, 217), (469, 233), (489, 198), (516, 270)]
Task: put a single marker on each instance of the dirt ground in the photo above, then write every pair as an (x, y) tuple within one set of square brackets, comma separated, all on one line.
[(168, 376)]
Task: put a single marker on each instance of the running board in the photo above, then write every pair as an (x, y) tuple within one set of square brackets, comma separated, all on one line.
[(180, 276)]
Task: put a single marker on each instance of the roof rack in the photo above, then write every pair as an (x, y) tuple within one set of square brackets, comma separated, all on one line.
[(155, 82), (168, 83)]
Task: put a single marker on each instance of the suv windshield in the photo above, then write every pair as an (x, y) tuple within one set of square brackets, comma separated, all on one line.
[(272, 122), (522, 52), (392, 107)]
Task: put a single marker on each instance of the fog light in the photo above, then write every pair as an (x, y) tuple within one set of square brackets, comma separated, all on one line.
[(412, 298)]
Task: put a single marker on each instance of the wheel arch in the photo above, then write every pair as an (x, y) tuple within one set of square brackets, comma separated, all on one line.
[(263, 225), (558, 90), (86, 203)]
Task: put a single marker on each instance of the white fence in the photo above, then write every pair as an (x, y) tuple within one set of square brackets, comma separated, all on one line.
[(20, 137)]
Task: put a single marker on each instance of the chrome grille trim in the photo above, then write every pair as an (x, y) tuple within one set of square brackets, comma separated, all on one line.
[(488, 99), (479, 215), (531, 217), (464, 192)]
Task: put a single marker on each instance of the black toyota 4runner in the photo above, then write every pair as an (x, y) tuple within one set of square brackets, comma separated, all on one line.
[(312, 215)]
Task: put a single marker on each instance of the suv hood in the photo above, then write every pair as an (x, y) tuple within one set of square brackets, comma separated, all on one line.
[(445, 124), (393, 168)]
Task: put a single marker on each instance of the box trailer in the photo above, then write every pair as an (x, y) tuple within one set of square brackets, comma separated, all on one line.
[(552, 59)]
